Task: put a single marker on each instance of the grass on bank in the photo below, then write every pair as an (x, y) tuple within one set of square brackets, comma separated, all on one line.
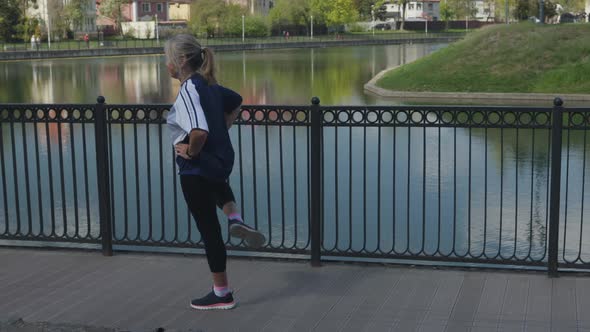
[(524, 58)]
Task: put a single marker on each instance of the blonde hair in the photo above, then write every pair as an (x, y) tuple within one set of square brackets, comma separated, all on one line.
[(187, 55)]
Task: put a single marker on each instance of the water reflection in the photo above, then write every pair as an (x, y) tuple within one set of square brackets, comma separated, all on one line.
[(336, 75)]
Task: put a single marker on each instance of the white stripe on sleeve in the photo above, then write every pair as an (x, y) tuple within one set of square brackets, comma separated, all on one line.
[(194, 108)]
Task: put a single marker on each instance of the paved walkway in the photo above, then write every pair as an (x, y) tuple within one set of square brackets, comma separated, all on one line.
[(138, 292)]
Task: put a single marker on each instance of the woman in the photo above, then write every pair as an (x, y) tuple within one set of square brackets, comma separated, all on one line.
[(198, 123)]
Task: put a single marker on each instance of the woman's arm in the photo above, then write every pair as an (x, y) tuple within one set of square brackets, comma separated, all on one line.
[(231, 117), (197, 140)]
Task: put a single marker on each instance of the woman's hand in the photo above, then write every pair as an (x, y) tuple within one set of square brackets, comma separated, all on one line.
[(182, 150)]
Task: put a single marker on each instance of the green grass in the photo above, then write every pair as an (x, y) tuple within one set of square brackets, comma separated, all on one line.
[(524, 58)]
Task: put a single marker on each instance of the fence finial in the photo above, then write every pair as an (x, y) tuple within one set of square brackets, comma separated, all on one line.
[(315, 101), (557, 101), (100, 100)]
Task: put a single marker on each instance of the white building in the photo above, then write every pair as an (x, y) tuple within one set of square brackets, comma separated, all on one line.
[(415, 10), (255, 6), (485, 10), (49, 12), (430, 9)]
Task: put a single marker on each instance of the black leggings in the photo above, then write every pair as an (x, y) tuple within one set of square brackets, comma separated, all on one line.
[(202, 195)]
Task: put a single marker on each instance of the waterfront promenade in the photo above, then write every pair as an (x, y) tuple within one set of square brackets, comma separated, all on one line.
[(143, 292)]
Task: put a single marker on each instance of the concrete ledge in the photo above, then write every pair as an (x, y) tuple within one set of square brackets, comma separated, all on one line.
[(98, 52), (93, 52), (372, 87)]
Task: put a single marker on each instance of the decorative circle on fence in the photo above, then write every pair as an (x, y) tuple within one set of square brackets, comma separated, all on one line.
[(373, 117), (432, 117), (140, 115), (542, 119), (462, 118), (494, 118), (154, 115), (329, 117), (115, 114), (402, 117), (525, 119), (509, 119), (89, 114), (478, 118), (577, 119), (448, 118), (417, 117), (387, 117)]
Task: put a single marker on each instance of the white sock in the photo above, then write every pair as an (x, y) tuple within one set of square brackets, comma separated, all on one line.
[(221, 291)]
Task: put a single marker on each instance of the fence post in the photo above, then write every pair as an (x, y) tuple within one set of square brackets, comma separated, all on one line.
[(316, 199), (555, 198), (102, 169)]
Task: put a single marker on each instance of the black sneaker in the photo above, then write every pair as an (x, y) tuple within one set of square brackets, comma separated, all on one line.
[(214, 302), (252, 237)]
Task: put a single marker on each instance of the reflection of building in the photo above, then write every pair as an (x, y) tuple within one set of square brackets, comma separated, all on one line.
[(141, 78), (255, 6), (43, 86)]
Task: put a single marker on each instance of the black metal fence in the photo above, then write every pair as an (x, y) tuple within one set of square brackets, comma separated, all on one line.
[(492, 185)]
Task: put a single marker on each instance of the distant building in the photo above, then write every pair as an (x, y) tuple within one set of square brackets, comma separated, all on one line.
[(422, 10), (179, 10), (261, 7), (146, 10), (50, 12), (430, 10)]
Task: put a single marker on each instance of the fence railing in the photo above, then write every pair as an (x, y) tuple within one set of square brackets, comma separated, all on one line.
[(218, 41), (487, 185)]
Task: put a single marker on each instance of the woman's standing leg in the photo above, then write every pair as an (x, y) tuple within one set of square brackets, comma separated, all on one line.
[(200, 197)]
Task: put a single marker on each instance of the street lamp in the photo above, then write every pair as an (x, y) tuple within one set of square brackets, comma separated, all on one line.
[(507, 12), (373, 19), (542, 12), (157, 29), (243, 29), (48, 31)]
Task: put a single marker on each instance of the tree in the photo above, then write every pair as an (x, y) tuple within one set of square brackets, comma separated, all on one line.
[(211, 17), (28, 27), (9, 17), (530, 8), (334, 12), (73, 14), (446, 13), (113, 10), (206, 16), (462, 8), (290, 12), (256, 26), (403, 4), (341, 12)]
